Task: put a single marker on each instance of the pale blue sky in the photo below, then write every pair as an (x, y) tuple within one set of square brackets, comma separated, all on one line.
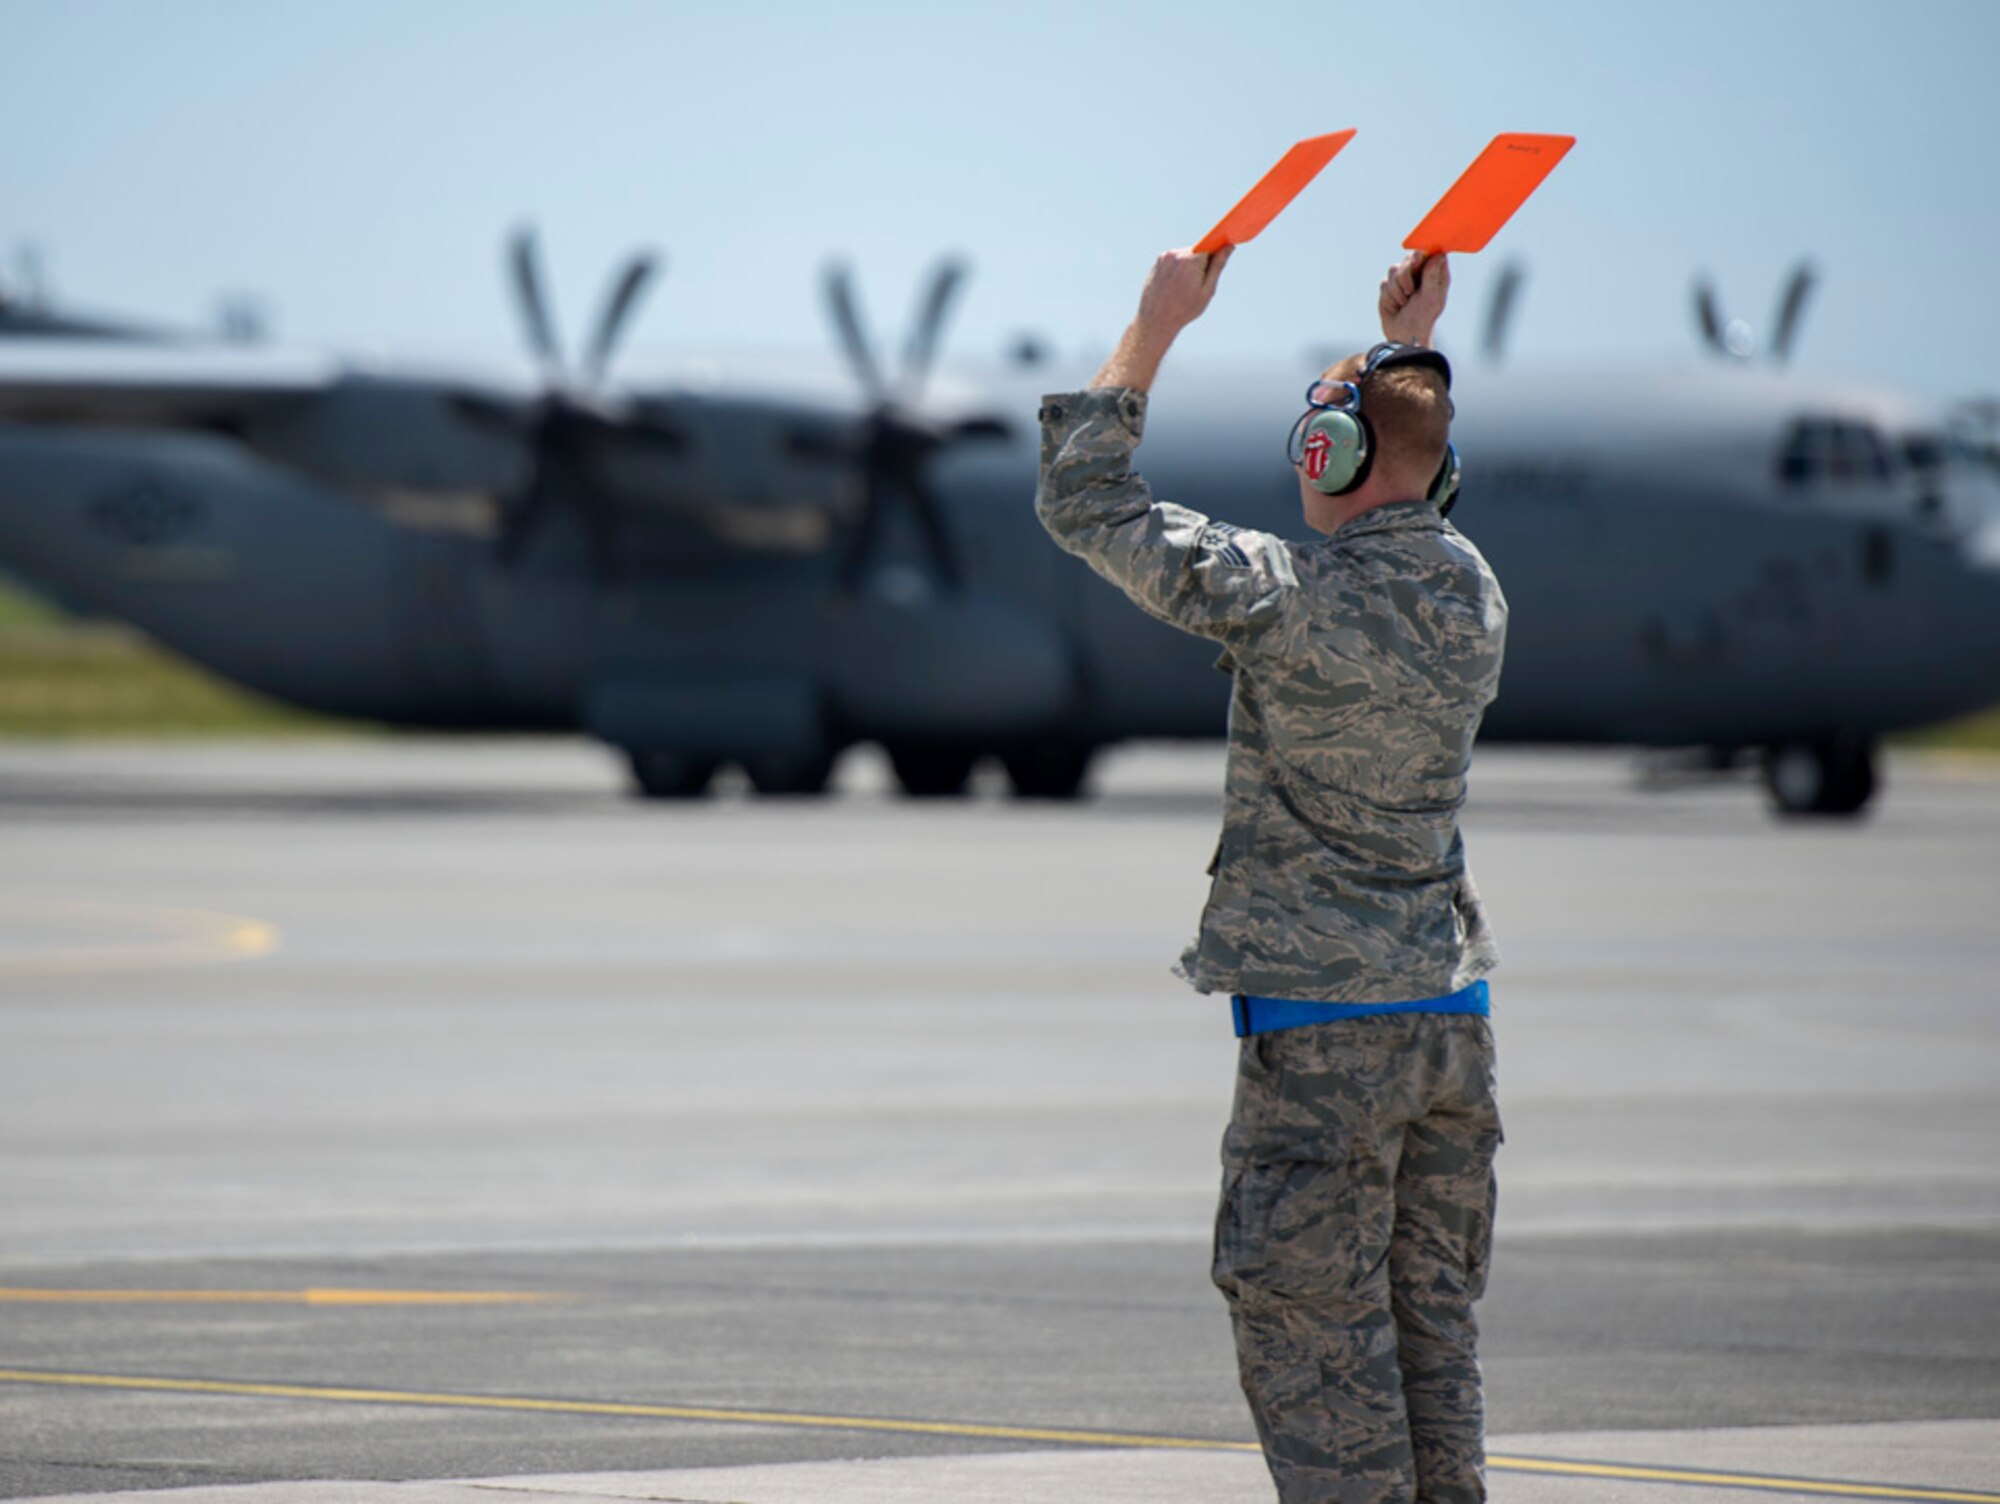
[(356, 164)]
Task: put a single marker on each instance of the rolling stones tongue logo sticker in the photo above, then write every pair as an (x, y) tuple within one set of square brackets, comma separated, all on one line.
[(1318, 450)]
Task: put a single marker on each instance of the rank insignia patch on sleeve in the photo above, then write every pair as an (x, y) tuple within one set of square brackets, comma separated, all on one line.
[(1220, 538)]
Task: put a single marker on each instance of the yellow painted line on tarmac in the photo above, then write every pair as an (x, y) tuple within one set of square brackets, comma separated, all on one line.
[(1825, 1488), (279, 1297), (1544, 1466), (603, 1407), (162, 936)]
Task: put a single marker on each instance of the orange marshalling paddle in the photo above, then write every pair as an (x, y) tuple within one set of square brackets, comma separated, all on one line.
[(1274, 190), (1488, 192)]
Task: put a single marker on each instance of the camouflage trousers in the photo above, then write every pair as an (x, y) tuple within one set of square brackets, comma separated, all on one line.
[(1352, 1240)]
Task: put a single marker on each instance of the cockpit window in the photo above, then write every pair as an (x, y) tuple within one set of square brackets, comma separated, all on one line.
[(1800, 458), (1868, 456), (1835, 450)]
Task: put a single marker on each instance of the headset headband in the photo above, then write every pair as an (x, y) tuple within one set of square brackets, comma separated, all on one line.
[(1389, 353)]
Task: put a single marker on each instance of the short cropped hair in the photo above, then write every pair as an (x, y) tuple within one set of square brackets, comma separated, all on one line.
[(1410, 409)]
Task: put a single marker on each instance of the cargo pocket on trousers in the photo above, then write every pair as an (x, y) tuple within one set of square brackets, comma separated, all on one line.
[(1290, 1229)]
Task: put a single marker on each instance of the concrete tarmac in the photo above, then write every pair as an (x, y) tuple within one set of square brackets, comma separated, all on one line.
[(863, 1148)]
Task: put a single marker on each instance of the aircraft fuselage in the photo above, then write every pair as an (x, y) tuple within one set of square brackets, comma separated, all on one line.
[(1673, 577)]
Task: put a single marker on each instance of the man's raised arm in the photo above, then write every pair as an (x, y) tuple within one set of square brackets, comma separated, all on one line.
[(1177, 290), (1204, 577)]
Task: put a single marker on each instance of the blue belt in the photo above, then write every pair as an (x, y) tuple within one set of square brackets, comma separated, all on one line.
[(1261, 1015)]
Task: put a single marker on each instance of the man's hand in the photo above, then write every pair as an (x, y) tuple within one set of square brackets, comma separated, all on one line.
[(1413, 297), (1177, 291)]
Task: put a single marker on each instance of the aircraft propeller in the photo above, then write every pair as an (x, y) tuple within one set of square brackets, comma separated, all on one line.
[(1500, 311), (896, 443), (625, 295), (1707, 316), (1797, 290), (1735, 340), (524, 263), (572, 423)]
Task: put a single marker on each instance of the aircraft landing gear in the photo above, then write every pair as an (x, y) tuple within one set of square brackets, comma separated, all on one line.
[(797, 770), (932, 770), (659, 773), (1824, 775), (1051, 767)]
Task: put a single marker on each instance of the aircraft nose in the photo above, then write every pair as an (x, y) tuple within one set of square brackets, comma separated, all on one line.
[(1976, 621)]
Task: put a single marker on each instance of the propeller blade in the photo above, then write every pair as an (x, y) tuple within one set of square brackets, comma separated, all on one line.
[(1796, 292), (861, 547), (1500, 312), (849, 327), (893, 466), (929, 513), (847, 324), (617, 309), (523, 514), (525, 266), (986, 427), (1707, 316), (924, 334), (924, 511)]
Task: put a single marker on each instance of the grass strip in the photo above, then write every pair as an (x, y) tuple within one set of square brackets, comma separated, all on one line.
[(64, 678)]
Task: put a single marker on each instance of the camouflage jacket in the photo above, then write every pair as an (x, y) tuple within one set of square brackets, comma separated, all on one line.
[(1362, 663)]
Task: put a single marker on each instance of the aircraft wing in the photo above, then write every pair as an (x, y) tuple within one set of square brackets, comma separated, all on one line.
[(69, 381)]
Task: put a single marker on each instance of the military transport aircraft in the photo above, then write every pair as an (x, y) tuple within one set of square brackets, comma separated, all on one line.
[(764, 571)]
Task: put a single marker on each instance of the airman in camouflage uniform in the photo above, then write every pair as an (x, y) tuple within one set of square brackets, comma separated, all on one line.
[(1356, 1216)]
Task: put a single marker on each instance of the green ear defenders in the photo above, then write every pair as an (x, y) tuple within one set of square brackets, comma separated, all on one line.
[(1334, 443)]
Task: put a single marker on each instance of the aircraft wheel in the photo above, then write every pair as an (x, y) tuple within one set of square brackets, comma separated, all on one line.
[(1051, 768), (932, 770), (659, 773), (1827, 775), (794, 771)]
